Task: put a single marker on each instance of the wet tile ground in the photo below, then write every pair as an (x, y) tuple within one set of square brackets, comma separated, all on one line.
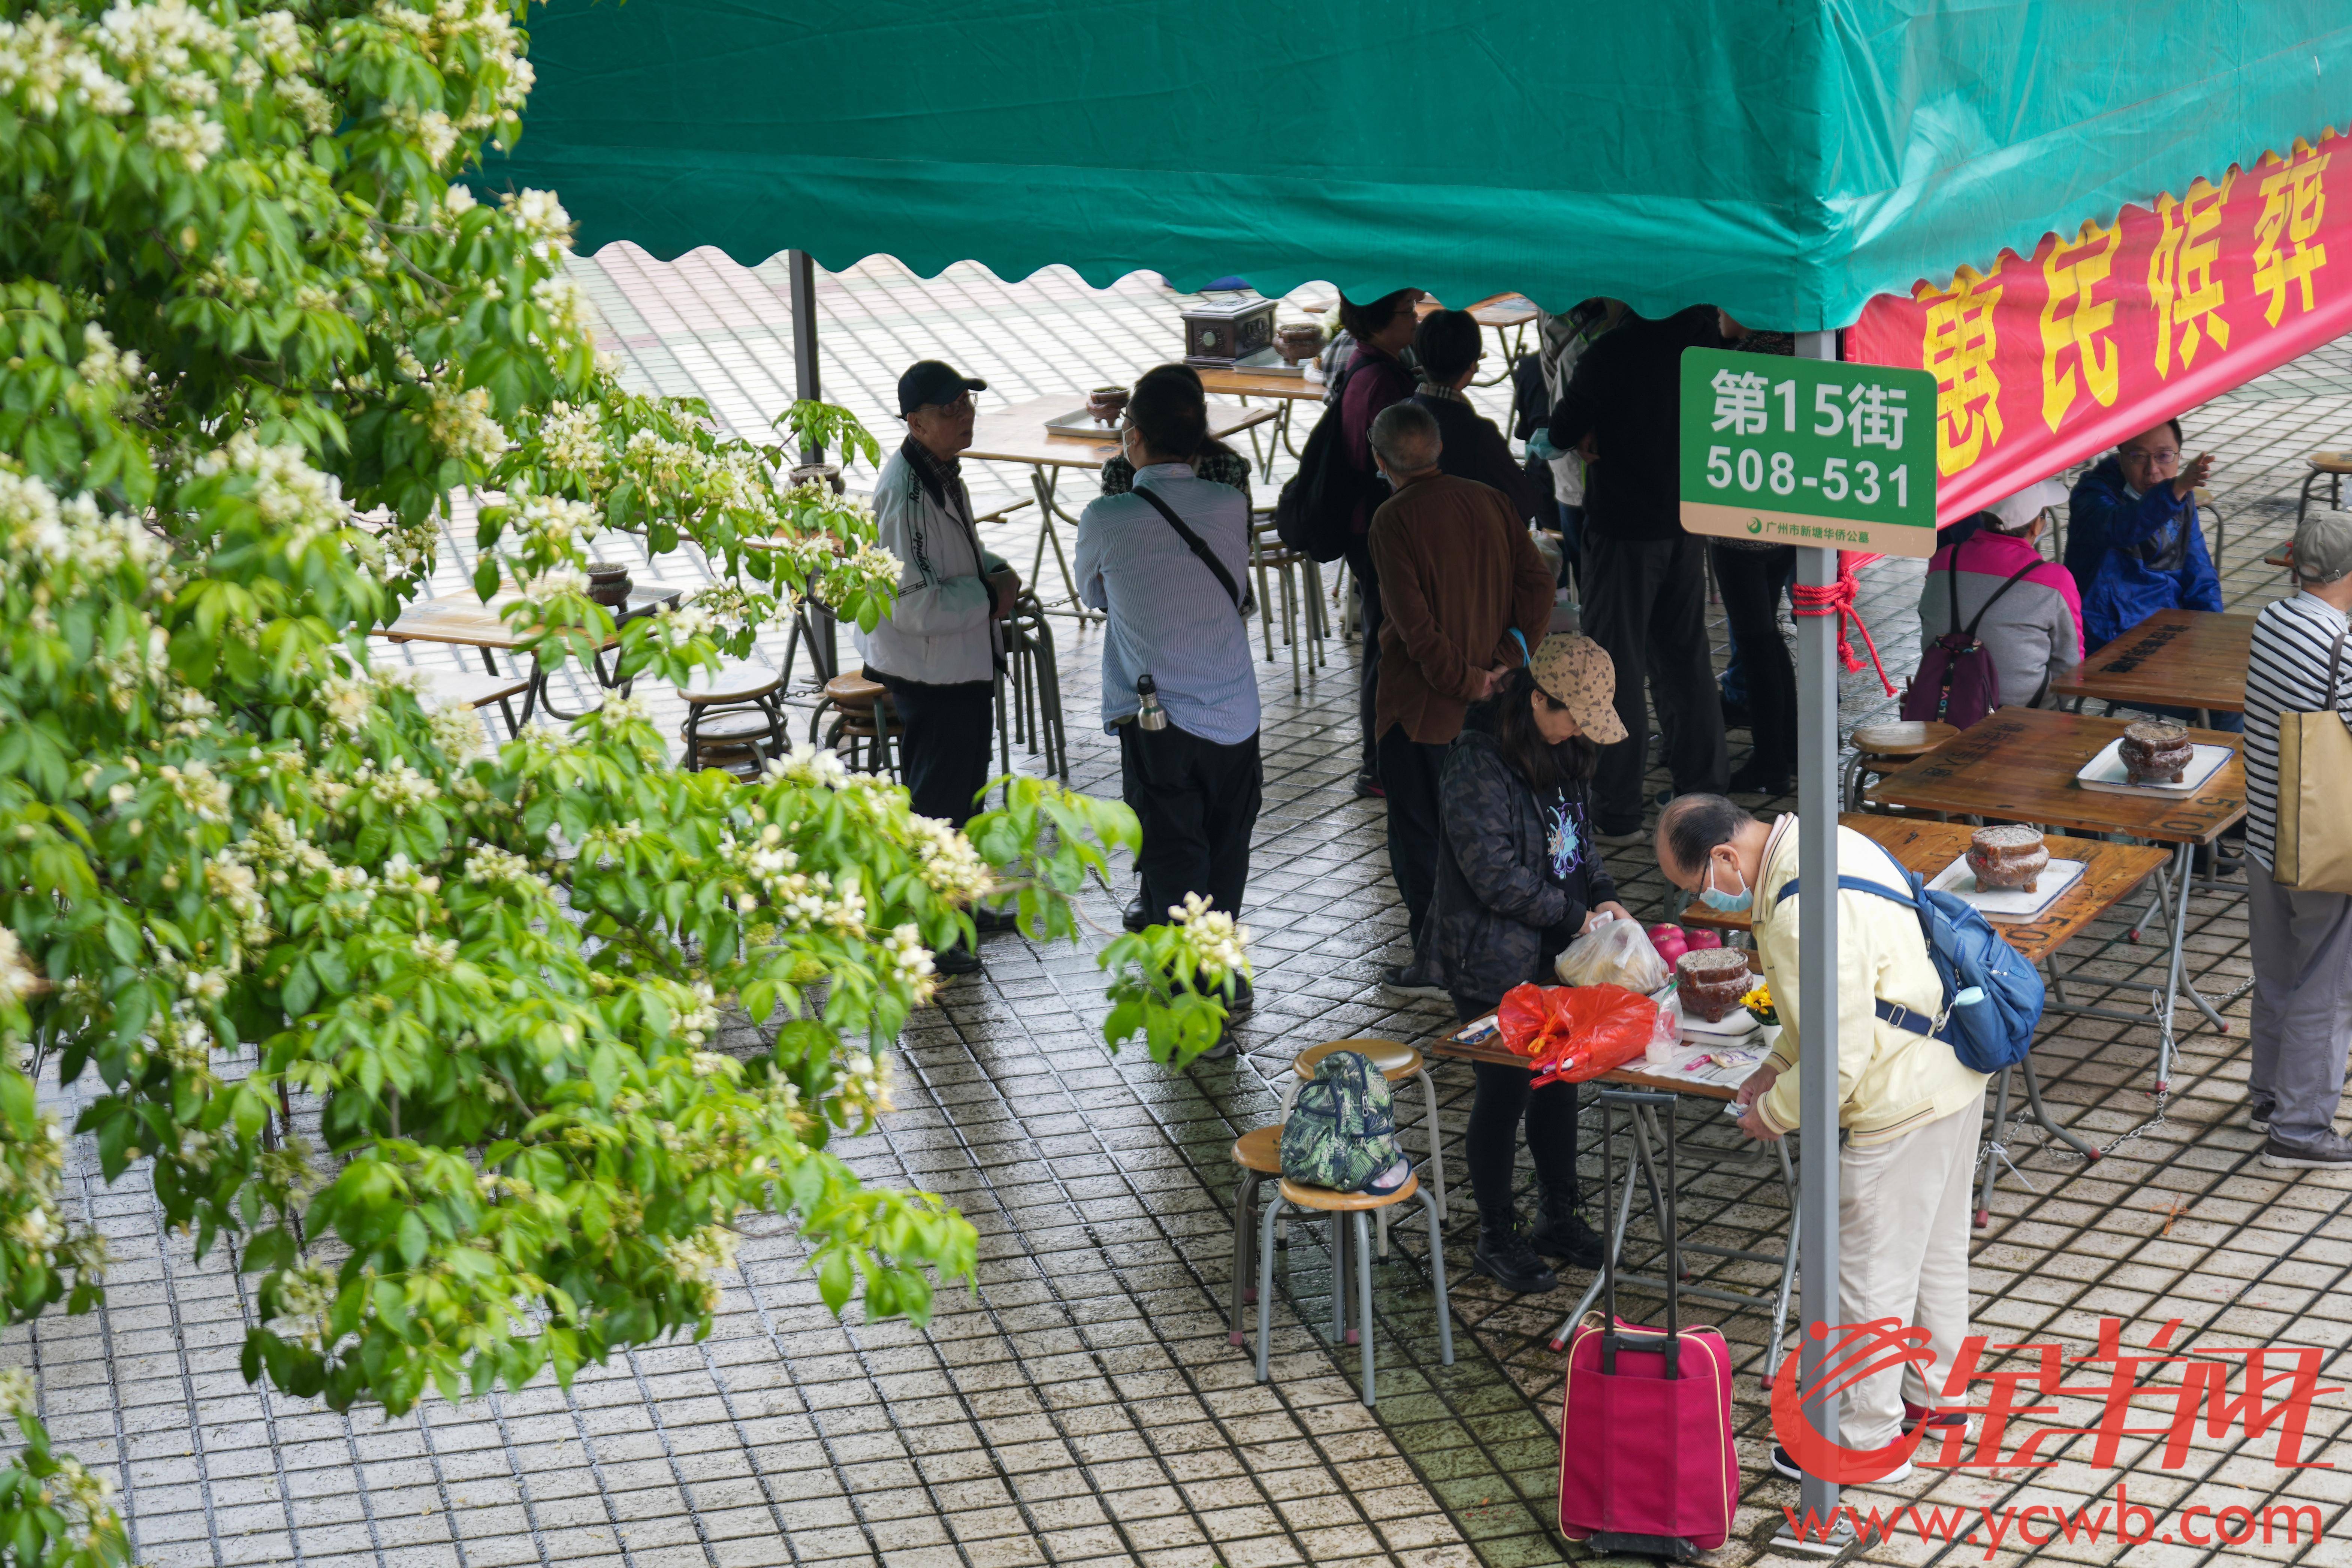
[(1082, 1401)]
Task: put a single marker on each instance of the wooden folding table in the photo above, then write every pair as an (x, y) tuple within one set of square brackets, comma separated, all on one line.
[(466, 622), (1649, 1138), (1284, 392), (1019, 434), (2110, 872), (2019, 766), (2175, 658)]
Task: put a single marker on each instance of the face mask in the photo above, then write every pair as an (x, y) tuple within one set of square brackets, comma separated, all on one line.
[(1727, 903)]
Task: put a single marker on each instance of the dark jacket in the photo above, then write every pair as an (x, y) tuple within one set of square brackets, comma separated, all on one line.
[(1475, 450), (2134, 557), (1375, 380), (1515, 876), (1458, 575), (1627, 392)]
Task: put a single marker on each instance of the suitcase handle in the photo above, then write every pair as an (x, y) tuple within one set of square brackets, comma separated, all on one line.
[(1634, 1099)]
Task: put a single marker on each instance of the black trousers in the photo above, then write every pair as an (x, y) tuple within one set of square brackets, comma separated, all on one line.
[(1504, 1101), (946, 738), (1646, 602), (1409, 772), (1198, 802), (1751, 582)]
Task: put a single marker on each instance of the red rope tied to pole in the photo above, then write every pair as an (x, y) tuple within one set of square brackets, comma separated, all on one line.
[(1837, 599)]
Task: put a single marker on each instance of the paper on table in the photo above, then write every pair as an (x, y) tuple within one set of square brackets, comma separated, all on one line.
[(2105, 772)]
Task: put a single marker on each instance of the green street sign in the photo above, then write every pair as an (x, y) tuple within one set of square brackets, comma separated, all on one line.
[(1807, 452)]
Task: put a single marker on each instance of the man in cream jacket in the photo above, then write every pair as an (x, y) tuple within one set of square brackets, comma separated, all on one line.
[(1909, 1112)]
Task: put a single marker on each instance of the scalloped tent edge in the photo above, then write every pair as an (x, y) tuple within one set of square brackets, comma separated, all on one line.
[(1784, 159)]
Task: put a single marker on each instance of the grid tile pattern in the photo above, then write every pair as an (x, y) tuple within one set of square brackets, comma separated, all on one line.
[(1082, 1404)]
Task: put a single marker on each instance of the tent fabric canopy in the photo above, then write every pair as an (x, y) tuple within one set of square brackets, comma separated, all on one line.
[(1785, 159)]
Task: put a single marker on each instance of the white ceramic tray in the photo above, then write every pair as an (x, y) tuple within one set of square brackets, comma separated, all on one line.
[(2105, 772), (2008, 905), (1082, 423), (1735, 1027)]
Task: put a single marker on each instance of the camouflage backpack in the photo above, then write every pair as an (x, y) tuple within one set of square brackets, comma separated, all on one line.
[(1342, 1131)]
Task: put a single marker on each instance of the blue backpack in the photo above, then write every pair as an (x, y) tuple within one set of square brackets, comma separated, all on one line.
[(1993, 998)]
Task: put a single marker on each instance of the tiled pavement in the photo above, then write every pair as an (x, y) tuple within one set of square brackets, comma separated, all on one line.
[(1082, 1403)]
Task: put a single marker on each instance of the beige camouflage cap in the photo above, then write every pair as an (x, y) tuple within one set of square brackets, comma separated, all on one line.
[(1578, 673)]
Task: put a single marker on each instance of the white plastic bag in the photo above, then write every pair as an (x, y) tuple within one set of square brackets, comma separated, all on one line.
[(1666, 1034), (1614, 952)]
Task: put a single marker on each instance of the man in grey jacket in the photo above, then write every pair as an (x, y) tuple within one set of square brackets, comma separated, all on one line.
[(939, 650)]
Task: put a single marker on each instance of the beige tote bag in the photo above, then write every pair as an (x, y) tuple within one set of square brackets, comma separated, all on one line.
[(2312, 852)]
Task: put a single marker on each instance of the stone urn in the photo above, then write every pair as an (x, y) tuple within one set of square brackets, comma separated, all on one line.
[(2008, 859), (1297, 341), (2156, 751), (1107, 403), (826, 474), (1712, 980), (609, 584)]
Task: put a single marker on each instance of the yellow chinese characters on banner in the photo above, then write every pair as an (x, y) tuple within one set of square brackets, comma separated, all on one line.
[(2044, 360), (2076, 313), (2181, 288), (2286, 246), (1958, 346)]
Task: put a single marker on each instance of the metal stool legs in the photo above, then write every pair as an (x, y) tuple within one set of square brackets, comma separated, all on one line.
[(1350, 1248), (1245, 1290)]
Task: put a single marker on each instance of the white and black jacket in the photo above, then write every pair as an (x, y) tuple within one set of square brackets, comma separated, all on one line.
[(940, 632)]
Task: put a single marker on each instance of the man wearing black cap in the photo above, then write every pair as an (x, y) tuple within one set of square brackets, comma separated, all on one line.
[(940, 649)]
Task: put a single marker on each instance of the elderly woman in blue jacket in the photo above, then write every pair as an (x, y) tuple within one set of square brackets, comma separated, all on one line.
[(2133, 541), (1519, 876)]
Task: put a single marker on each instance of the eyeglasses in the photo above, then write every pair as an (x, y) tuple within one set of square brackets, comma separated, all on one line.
[(2138, 457)]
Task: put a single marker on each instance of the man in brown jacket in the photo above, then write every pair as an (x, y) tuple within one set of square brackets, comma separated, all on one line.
[(1459, 575)]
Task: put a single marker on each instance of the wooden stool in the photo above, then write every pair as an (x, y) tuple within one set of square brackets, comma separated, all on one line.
[(1259, 1155), (861, 710), (729, 708), (1347, 1211), (2329, 466), (1396, 1062), (1883, 748)]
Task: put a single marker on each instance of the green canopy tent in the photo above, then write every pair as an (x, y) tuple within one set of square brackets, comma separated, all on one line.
[(1784, 159)]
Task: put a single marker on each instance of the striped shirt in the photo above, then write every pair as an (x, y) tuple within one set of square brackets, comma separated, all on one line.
[(2286, 672)]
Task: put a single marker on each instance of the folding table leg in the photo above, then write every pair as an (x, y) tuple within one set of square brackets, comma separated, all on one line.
[(1788, 1266), (2172, 975), (1994, 1151), (2042, 1117)]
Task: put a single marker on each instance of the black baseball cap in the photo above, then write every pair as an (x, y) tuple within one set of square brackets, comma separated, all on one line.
[(932, 381)]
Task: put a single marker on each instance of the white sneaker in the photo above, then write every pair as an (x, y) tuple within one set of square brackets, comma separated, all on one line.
[(1788, 1467)]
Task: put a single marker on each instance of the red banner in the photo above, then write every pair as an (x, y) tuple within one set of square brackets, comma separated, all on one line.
[(2044, 360)]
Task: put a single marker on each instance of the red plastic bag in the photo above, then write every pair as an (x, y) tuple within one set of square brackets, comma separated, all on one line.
[(1572, 1033)]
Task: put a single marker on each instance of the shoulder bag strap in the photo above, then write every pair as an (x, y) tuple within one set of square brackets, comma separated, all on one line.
[(1198, 545), (1979, 619), (2336, 667)]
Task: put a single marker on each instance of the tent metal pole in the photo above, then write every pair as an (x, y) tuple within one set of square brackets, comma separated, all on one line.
[(816, 622), (1817, 1103), (806, 387)]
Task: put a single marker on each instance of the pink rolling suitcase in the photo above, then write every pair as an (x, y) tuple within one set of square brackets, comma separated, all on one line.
[(1646, 1463)]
